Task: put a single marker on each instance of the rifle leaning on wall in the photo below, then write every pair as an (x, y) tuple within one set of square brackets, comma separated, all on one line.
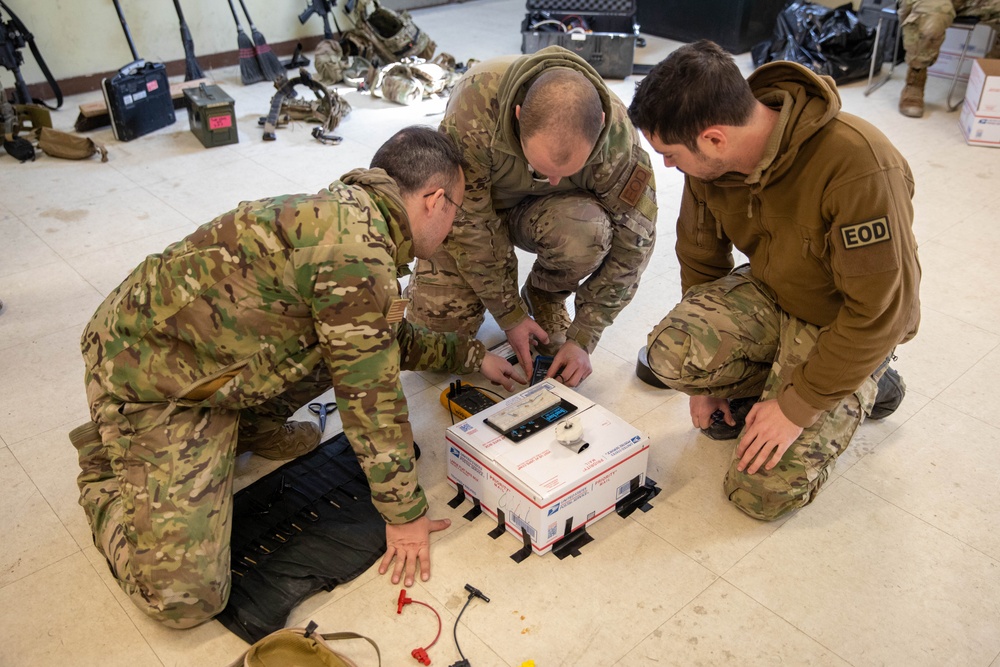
[(14, 35), (321, 8)]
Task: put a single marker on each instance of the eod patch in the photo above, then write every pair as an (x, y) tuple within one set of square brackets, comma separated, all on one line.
[(866, 233)]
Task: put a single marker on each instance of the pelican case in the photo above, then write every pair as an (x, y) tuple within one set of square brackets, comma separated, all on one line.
[(138, 96), (211, 115), (602, 32)]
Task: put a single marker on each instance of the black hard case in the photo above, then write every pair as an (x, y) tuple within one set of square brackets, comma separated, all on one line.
[(138, 96), (609, 47), (139, 100)]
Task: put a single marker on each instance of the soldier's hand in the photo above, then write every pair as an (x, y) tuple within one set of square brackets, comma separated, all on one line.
[(519, 336), (499, 371), (410, 544), (766, 438), (703, 407), (571, 365)]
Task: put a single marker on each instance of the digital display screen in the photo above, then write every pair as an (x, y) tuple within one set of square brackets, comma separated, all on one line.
[(555, 413)]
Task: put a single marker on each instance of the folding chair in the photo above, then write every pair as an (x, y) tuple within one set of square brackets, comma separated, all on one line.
[(887, 16), (968, 24)]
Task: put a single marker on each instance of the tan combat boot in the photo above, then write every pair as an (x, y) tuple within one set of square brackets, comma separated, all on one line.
[(291, 440), (549, 311), (911, 101)]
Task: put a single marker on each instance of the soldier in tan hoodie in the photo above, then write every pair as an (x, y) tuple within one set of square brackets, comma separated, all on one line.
[(820, 203)]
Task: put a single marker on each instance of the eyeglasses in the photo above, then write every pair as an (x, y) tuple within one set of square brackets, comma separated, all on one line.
[(450, 201)]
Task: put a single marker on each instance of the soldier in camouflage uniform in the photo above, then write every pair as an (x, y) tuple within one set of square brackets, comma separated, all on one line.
[(554, 168), (820, 202), (924, 24), (206, 349)]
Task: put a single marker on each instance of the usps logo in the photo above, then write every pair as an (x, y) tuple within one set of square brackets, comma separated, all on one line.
[(636, 438), (465, 428), (553, 509), (455, 452)]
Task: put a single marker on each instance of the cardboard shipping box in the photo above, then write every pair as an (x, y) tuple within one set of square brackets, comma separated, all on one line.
[(980, 119), (980, 42), (544, 489)]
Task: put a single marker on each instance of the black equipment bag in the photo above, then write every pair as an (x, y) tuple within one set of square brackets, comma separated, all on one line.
[(831, 41), (602, 32), (138, 96)]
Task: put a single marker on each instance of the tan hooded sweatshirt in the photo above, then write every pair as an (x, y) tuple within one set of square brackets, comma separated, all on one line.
[(826, 221)]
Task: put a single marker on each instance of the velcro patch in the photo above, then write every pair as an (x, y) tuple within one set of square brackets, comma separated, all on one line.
[(396, 309), (636, 185), (865, 233)]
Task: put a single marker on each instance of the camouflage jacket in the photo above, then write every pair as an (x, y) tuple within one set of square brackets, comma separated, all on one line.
[(480, 118), (252, 301)]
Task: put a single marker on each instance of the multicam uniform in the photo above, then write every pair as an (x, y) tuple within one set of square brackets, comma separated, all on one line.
[(241, 323), (831, 288), (925, 22), (600, 222)]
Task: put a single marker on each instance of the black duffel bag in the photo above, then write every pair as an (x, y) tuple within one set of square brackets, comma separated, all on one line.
[(828, 41)]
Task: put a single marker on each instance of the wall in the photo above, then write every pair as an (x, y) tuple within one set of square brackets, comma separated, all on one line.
[(84, 37)]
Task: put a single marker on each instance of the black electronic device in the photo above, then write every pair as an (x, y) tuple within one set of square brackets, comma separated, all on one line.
[(464, 400), (540, 367), (530, 414), (138, 96)]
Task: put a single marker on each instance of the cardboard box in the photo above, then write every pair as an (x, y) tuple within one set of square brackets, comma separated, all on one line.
[(983, 91), (951, 51), (979, 43), (979, 130), (980, 118), (545, 489), (946, 64)]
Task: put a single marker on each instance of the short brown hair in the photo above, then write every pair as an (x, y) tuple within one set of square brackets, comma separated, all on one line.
[(565, 103), (695, 87), (417, 156)]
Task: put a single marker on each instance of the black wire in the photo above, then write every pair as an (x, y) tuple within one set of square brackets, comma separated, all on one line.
[(455, 630)]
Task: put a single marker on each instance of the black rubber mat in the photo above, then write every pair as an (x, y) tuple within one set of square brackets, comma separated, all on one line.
[(306, 527)]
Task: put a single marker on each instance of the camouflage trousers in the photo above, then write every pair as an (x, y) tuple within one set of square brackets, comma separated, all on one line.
[(925, 22), (570, 235), (157, 491), (729, 339)]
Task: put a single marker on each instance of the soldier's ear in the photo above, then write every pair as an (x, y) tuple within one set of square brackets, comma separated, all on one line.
[(517, 111), (432, 200)]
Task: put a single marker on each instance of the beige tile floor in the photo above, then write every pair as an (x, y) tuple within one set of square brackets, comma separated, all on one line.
[(896, 563)]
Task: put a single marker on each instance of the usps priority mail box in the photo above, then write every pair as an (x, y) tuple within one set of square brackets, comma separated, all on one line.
[(543, 487)]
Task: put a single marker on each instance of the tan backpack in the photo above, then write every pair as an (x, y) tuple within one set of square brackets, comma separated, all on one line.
[(300, 647)]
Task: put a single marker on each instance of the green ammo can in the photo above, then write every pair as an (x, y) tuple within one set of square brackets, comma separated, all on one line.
[(211, 115)]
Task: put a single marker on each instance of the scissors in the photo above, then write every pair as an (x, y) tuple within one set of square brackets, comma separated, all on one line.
[(322, 409)]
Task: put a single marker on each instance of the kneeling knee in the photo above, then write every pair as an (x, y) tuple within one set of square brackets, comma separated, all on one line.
[(181, 610), (764, 504)]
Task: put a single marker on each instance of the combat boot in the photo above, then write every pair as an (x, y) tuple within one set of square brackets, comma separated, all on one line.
[(891, 390), (291, 440), (911, 100), (739, 408), (645, 373), (549, 311)]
